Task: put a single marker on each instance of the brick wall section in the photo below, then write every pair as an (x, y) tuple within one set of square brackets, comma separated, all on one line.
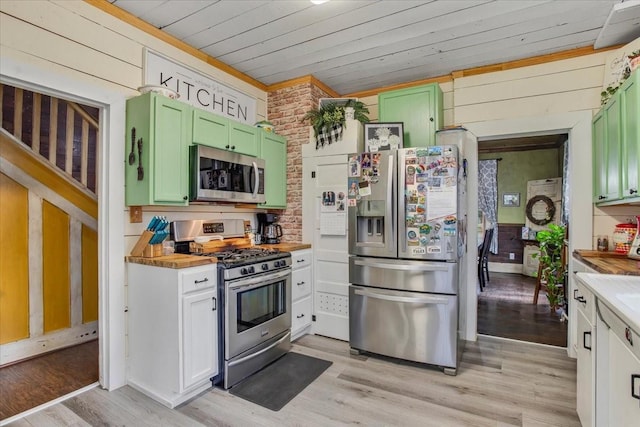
[(285, 109)]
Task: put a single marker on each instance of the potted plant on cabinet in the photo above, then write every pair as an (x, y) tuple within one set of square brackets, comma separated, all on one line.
[(329, 120), (552, 271)]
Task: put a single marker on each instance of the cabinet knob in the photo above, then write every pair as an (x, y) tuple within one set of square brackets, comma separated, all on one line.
[(233, 147), (226, 146), (300, 316), (185, 198), (431, 119), (602, 197), (300, 283), (632, 191)]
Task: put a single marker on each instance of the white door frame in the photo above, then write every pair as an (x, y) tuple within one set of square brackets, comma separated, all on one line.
[(34, 74), (578, 125)]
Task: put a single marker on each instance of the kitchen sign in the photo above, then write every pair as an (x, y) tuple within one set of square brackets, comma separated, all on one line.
[(197, 89)]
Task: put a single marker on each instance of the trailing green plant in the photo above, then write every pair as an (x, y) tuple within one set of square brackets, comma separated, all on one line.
[(606, 94), (553, 268), (331, 114)]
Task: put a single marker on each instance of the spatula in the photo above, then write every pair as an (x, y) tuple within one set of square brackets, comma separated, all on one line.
[(132, 154)]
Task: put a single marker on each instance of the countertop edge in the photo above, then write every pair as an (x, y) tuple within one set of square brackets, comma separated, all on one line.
[(170, 261), (586, 256), (606, 292)]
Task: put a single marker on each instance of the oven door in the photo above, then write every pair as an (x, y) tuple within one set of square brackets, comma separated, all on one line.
[(257, 309)]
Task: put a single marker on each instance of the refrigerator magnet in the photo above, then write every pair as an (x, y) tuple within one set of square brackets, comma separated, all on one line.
[(354, 165), (353, 188), (364, 189)]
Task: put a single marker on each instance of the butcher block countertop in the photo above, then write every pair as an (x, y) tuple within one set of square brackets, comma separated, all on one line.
[(287, 247), (173, 261), (186, 260), (608, 262)]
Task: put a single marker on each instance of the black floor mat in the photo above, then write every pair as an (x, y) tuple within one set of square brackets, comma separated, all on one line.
[(274, 386)]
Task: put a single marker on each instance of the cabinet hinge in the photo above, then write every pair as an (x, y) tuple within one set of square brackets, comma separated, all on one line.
[(313, 317), (313, 174)]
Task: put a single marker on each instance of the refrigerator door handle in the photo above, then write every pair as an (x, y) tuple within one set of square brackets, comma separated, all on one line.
[(406, 267), (415, 300)]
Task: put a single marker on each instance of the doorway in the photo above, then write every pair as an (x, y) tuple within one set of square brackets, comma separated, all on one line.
[(49, 217), (578, 126), (511, 171)]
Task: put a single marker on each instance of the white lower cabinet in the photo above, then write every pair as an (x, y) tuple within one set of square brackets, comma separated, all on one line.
[(173, 331), (624, 385), (585, 347), (301, 292)]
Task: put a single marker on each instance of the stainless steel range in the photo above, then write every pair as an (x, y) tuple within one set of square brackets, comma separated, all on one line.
[(255, 288)]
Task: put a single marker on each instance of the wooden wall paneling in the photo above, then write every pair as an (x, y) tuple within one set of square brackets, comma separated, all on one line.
[(75, 271), (14, 266), (89, 274), (73, 54), (509, 241), (56, 278), (36, 296), (568, 81), (528, 107)]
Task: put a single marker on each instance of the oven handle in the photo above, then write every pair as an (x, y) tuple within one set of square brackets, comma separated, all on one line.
[(256, 180), (419, 300), (258, 281), (264, 350)]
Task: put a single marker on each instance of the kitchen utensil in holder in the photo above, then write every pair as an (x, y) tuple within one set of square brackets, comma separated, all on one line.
[(144, 249)]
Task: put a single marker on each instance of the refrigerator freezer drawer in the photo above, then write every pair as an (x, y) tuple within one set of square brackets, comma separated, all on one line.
[(407, 325), (417, 276)]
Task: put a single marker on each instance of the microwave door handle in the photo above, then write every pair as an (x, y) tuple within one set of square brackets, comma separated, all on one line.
[(256, 180)]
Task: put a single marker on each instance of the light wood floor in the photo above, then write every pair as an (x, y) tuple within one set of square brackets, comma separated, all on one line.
[(499, 383)]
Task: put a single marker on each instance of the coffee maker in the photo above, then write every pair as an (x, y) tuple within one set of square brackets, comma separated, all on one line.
[(268, 231)]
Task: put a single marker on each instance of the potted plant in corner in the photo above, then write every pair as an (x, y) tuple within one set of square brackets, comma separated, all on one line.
[(329, 120), (552, 273)]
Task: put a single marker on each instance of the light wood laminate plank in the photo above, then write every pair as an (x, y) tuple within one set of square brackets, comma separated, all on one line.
[(499, 383)]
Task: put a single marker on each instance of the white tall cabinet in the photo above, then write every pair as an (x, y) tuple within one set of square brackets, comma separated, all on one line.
[(325, 169), (173, 331)]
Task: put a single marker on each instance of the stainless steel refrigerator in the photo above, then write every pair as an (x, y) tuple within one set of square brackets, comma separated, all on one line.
[(405, 233)]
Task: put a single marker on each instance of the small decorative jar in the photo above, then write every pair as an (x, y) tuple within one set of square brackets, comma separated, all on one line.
[(623, 236)]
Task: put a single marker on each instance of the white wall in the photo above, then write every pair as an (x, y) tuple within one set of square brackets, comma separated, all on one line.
[(74, 50)]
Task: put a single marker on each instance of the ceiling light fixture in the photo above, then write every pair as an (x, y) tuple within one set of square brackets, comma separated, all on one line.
[(319, 1)]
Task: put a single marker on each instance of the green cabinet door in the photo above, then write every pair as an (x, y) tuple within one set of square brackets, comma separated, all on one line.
[(159, 175), (418, 108), (210, 129), (599, 156), (630, 125), (273, 149), (243, 138), (613, 186)]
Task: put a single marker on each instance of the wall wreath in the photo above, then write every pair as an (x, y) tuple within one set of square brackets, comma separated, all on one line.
[(549, 213)]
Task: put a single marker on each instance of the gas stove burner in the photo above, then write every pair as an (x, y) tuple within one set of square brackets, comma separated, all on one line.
[(244, 254)]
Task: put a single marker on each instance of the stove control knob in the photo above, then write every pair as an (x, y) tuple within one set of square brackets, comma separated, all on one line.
[(265, 266), (252, 270), (244, 270), (276, 263)]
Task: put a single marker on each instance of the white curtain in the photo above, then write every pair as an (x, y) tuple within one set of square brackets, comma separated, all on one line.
[(564, 219), (488, 197)]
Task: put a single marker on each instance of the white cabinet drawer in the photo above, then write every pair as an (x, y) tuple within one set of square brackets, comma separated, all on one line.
[(195, 280), (584, 299), (301, 313), (300, 258), (300, 283)]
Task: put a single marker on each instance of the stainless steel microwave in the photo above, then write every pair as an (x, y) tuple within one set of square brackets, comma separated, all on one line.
[(225, 176)]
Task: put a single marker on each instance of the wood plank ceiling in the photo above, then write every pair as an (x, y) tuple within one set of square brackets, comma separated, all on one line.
[(355, 45)]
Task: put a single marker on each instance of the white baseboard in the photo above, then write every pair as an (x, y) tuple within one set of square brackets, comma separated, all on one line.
[(503, 267)]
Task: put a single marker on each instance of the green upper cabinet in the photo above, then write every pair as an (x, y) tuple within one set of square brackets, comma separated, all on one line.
[(419, 108), (243, 138), (159, 175), (630, 129), (210, 129), (273, 149), (616, 146), (219, 132)]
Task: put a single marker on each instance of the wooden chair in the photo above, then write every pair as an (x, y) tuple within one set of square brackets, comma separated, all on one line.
[(483, 258), (540, 285)]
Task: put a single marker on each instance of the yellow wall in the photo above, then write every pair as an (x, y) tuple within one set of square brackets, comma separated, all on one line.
[(55, 267), (89, 275), (14, 261)]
